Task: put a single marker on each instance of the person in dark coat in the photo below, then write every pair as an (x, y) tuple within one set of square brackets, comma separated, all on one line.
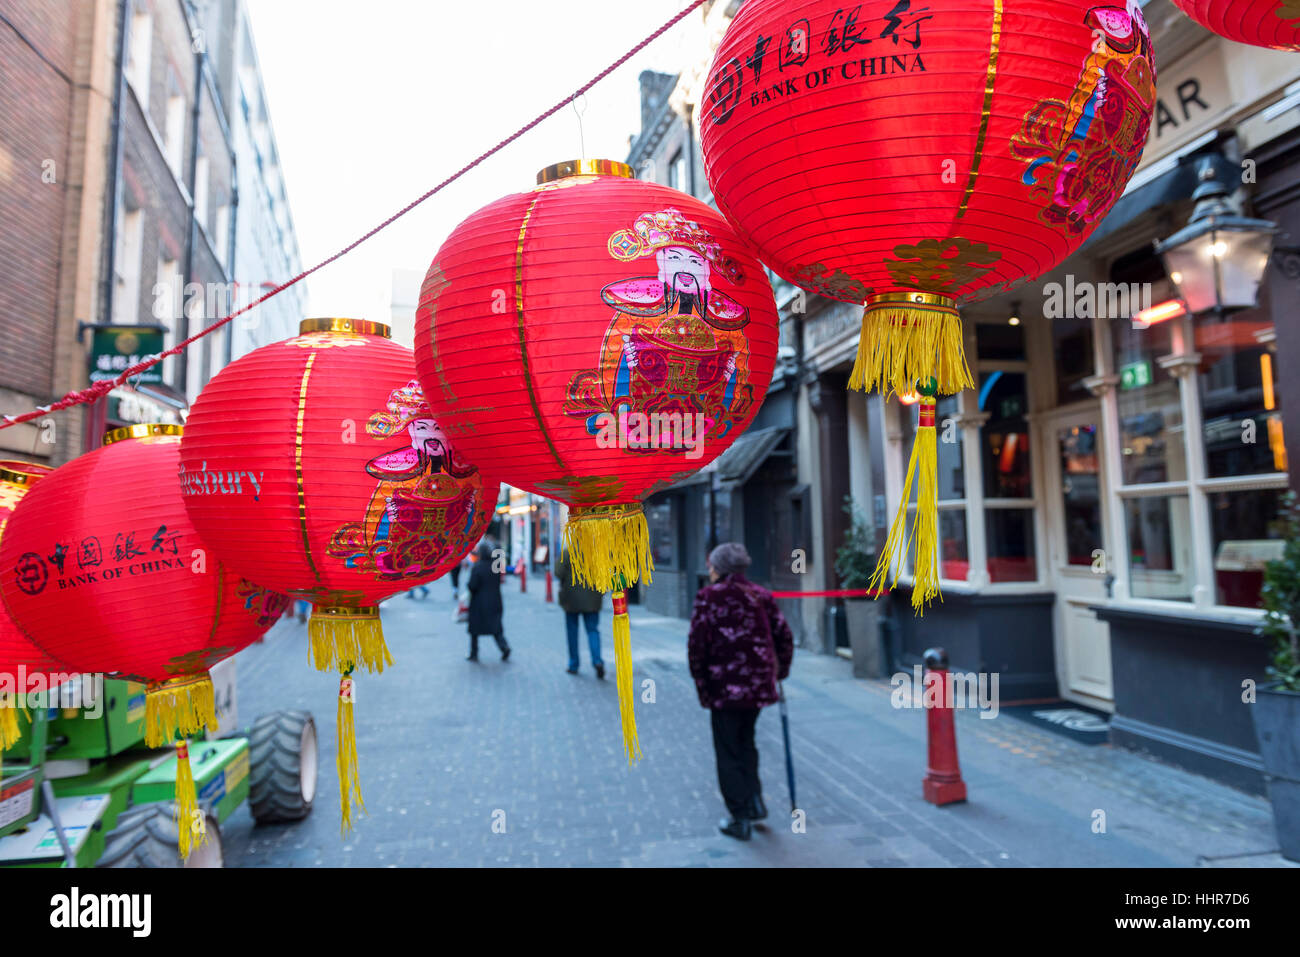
[(485, 603), (740, 646), (578, 600)]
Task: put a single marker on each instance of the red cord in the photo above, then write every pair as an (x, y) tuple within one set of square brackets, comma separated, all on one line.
[(98, 390)]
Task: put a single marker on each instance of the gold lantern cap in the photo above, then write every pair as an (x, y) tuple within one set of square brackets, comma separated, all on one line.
[(361, 327), (584, 167), (145, 431), (26, 474)]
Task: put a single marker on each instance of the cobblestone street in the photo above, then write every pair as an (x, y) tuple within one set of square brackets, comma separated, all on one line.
[(445, 745)]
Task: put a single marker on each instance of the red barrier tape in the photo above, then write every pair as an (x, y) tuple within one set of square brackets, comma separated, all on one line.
[(841, 593)]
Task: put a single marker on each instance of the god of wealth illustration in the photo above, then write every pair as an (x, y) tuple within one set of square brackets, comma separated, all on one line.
[(676, 342), (425, 508)]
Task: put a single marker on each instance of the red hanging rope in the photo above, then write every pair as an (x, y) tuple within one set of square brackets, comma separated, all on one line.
[(100, 389)]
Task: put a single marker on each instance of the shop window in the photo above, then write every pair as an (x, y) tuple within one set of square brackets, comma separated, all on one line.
[(952, 480), (1000, 341), (954, 559), (1010, 536), (1080, 492), (1247, 532), (1005, 436), (1073, 352), (1150, 412), (661, 516), (1159, 547), (1241, 407)]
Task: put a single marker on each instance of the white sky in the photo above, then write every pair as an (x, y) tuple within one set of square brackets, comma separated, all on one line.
[(375, 102)]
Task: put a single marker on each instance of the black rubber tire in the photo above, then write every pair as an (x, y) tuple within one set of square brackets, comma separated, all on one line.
[(145, 836), (276, 790)]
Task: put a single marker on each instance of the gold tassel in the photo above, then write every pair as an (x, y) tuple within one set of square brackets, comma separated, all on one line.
[(349, 775), (341, 637), (184, 706), (623, 676), (607, 544), (908, 337), (924, 531), (10, 732), (191, 828)]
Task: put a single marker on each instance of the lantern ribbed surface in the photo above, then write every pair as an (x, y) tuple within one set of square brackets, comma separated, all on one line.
[(314, 467), (1263, 23), (553, 322), (918, 156), (17, 651), (105, 572)]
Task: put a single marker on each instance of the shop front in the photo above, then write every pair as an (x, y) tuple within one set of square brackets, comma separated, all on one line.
[(1109, 491)]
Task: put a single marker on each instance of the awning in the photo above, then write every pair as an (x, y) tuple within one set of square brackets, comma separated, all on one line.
[(739, 462), (747, 453)]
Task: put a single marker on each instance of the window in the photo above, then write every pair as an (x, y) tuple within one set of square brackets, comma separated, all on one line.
[(1247, 532), (677, 171), (1008, 477), (1241, 411), (174, 124), (1150, 410), (126, 269), (1009, 533), (1005, 436), (168, 301), (139, 56), (1072, 352), (661, 517), (201, 188), (1159, 547), (1081, 493), (954, 559)]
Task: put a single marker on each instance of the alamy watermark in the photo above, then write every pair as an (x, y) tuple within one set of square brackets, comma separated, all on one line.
[(42, 689), (948, 689), (640, 431)]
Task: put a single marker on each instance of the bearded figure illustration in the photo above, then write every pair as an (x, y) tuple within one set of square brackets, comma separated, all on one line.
[(424, 508), (675, 346), (1081, 152)]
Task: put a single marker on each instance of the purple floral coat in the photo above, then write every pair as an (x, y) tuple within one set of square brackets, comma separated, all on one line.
[(740, 645)]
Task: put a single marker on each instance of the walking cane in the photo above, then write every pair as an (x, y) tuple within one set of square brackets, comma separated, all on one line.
[(789, 759)]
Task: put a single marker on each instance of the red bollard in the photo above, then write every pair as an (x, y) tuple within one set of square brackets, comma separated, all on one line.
[(943, 783), (548, 586), (523, 575)]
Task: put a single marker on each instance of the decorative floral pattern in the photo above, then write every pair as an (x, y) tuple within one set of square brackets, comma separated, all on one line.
[(740, 645)]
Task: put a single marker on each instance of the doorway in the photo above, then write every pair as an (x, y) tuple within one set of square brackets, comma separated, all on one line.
[(1079, 554)]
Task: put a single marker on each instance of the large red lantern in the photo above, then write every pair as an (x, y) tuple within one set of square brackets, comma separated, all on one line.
[(594, 340), (314, 467), (104, 571), (1263, 23), (914, 155), (22, 663)]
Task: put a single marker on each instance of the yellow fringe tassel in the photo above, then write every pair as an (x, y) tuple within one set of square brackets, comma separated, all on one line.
[(902, 343), (344, 637), (191, 828), (924, 531), (10, 732), (182, 706), (608, 544), (623, 676), (349, 775)]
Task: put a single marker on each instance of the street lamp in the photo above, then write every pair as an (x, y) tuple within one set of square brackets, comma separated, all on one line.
[(1217, 260)]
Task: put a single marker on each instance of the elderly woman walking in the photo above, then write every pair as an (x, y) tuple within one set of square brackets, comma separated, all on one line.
[(740, 647)]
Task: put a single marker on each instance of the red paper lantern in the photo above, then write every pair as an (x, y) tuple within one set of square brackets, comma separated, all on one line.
[(1263, 23), (105, 571), (314, 467), (595, 340), (914, 156), (23, 666)]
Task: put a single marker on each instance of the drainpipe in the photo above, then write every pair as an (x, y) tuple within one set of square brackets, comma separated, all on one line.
[(96, 414), (230, 250), (191, 174), (690, 148)]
